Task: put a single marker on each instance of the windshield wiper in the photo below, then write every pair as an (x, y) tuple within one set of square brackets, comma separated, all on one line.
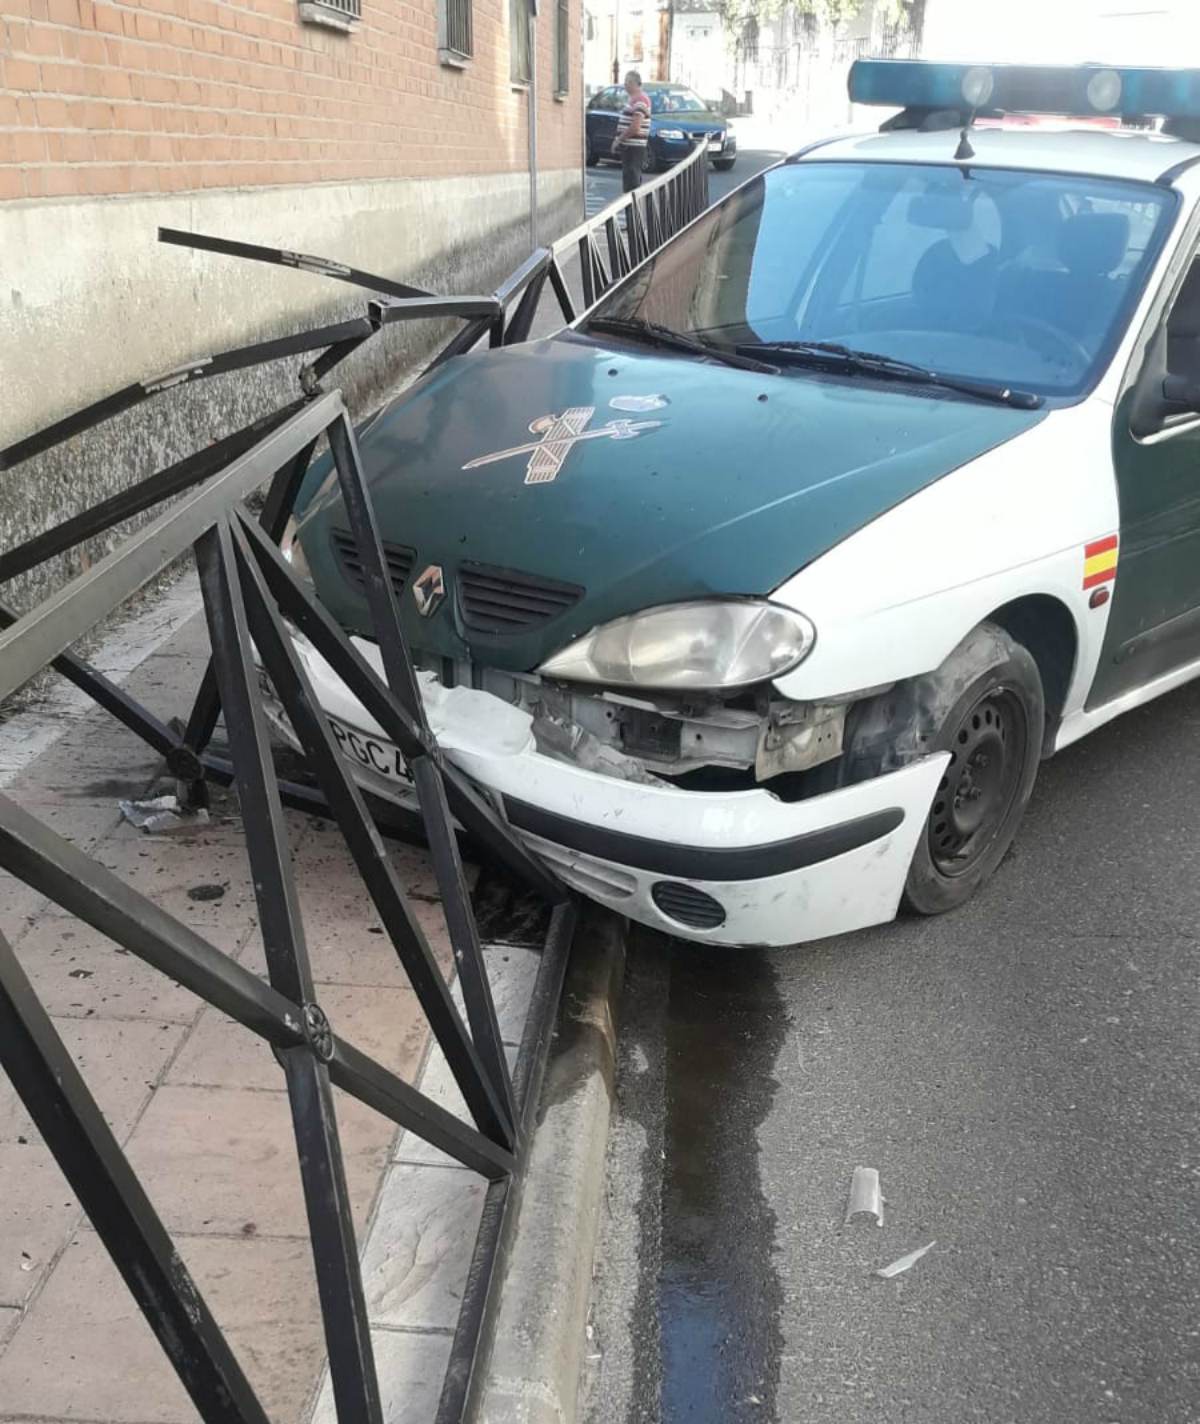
[(667, 337), (871, 363)]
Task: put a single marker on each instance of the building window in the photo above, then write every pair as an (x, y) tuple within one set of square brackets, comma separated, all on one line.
[(750, 41), (562, 46), (456, 37), (519, 20), (337, 14), (634, 41)]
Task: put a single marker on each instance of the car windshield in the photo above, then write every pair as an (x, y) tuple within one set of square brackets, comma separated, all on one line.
[(676, 101), (1022, 278)]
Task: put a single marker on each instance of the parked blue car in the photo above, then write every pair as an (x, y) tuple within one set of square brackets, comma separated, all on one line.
[(678, 117)]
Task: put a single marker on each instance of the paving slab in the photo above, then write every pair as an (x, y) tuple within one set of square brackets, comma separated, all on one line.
[(20, 905), (416, 1259), (121, 1062), (224, 1159), (386, 1024), (84, 1350), (411, 1366), (96, 758), (38, 1213), (78, 972), (199, 1102)]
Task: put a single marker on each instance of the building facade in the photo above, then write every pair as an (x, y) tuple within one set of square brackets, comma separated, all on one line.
[(786, 63), (620, 35), (390, 135)]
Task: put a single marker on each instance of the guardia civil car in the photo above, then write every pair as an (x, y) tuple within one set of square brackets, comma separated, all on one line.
[(755, 597)]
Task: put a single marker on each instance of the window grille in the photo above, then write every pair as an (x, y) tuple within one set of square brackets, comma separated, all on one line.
[(458, 31), (341, 14), (520, 20), (562, 46)]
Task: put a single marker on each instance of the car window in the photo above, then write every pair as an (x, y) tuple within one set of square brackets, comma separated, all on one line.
[(911, 224), (676, 101), (1022, 278), (1183, 328), (606, 100)]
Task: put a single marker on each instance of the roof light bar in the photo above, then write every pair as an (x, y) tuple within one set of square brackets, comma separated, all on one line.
[(1075, 90)]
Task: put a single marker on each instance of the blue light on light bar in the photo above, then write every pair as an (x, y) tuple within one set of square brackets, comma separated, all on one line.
[(1075, 90)]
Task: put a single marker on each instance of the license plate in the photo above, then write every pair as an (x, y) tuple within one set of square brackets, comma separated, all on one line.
[(714, 142), (378, 756)]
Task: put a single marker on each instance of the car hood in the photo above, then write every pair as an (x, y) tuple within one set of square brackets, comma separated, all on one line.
[(693, 480), (693, 119)]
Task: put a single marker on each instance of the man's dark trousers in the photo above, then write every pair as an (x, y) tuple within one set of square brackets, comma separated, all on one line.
[(633, 155)]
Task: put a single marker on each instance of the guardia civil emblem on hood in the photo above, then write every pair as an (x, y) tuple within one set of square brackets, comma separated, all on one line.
[(560, 434)]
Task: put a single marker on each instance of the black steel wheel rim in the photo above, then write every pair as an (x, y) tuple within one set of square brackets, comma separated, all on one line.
[(981, 783)]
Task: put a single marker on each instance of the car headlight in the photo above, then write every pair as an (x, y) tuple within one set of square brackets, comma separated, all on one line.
[(671, 133), (714, 644), (293, 552)]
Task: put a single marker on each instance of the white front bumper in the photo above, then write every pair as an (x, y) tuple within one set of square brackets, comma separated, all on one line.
[(781, 872)]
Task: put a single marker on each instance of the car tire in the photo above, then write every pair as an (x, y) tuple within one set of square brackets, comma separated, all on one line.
[(650, 163), (986, 707), (591, 157), (723, 165)]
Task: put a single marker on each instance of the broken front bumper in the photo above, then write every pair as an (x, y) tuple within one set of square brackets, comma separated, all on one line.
[(735, 868)]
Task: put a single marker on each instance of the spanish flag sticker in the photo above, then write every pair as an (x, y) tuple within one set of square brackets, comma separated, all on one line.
[(1100, 561)]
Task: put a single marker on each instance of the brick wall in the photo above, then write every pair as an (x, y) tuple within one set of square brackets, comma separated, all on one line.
[(165, 96)]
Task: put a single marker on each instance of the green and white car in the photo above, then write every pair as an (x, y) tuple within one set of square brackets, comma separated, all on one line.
[(756, 596)]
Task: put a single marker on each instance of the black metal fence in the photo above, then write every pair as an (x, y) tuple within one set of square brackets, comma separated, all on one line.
[(249, 591), (610, 245)]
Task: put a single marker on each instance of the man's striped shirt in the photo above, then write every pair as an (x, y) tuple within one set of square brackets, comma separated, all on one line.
[(633, 106)]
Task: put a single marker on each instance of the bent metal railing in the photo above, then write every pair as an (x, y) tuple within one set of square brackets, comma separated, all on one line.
[(249, 591)]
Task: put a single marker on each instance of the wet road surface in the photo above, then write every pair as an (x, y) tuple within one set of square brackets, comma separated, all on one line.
[(1023, 1074)]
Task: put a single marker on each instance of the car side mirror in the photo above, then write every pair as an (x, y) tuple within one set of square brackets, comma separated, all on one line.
[(1161, 398)]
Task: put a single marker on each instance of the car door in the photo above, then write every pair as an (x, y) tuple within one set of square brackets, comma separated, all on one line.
[(1154, 623), (602, 117)]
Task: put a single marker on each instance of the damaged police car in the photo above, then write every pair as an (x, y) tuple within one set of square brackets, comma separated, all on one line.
[(755, 597)]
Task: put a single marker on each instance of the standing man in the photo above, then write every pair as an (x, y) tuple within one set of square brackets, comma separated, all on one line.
[(633, 130)]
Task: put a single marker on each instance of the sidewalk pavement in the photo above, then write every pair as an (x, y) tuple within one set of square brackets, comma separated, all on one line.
[(198, 1102)]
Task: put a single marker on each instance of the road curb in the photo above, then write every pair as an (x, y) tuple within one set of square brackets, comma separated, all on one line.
[(534, 1369)]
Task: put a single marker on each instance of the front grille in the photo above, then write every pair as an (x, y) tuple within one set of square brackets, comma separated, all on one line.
[(496, 600), (399, 560), (687, 905)]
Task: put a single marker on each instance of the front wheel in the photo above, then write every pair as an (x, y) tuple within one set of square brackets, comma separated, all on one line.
[(985, 706), (723, 165)]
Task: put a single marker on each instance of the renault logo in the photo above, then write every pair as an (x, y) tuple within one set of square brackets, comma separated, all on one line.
[(429, 591)]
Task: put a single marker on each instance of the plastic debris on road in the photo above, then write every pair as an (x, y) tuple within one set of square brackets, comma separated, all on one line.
[(898, 1267), (162, 815), (865, 1195)]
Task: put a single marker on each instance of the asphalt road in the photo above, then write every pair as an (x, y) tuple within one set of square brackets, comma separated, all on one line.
[(1023, 1074), (604, 181)]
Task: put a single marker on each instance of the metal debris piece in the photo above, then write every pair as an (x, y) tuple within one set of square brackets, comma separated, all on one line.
[(865, 1195), (162, 815), (895, 1269)]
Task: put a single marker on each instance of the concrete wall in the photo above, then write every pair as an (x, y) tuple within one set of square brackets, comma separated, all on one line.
[(90, 301), (369, 143)]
